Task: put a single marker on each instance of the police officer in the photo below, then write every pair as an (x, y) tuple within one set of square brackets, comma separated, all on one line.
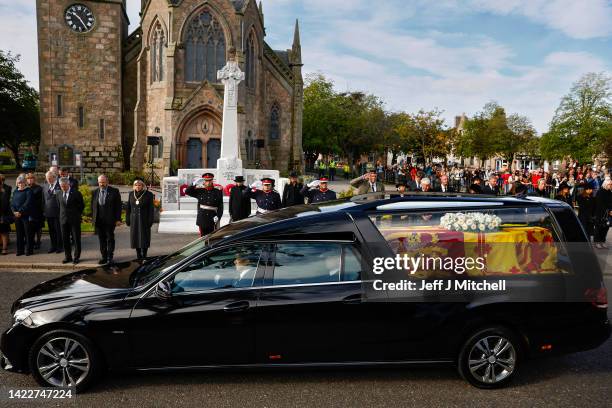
[(210, 203), (316, 191), (239, 205), (292, 193), (264, 195)]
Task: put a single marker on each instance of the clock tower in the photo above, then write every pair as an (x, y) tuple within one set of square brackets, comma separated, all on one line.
[(80, 67)]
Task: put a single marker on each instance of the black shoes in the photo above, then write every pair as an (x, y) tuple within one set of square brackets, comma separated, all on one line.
[(66, 260), (102, 261), (52, 250), (76, 261)]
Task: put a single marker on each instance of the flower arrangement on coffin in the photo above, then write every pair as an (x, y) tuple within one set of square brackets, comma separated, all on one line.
[(470, 222)]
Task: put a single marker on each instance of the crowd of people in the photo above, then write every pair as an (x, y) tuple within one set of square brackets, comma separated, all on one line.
[(60, 204)]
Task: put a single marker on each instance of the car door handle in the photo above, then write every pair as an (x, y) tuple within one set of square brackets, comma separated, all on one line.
[(352, 299), (237, 306)]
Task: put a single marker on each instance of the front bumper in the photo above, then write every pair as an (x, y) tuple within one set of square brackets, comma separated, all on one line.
[(14, 345)]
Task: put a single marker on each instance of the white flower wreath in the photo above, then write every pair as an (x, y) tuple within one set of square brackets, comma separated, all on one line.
[(470, 222)]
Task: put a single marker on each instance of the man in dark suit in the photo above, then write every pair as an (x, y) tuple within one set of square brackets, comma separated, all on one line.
[(491, 187), (291, 193), (37, 220), (444, 187), (105, 216), (239, 205), (51, 212), (71, 207), (74, 183)]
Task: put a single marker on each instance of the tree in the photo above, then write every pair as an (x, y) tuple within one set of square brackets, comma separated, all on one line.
[(19, 107), (349, 123), (483, 133), (581, 126)]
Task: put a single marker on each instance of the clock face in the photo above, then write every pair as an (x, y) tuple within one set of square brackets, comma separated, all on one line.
[(79, 18)]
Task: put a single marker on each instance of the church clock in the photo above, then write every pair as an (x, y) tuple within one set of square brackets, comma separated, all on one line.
[(79, 18)]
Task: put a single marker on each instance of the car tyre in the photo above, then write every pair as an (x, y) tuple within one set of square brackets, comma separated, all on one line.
[(64, 358), (491, 357)]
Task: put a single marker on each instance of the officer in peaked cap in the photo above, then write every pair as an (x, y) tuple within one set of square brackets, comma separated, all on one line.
[(210, 203), (264, 195), (316, 191)]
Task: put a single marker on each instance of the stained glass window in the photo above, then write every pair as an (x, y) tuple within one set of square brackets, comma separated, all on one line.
[(204, 48)]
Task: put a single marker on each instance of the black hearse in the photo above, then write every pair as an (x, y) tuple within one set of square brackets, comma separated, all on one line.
[(295, 287)]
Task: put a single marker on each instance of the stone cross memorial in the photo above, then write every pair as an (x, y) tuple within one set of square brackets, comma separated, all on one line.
[(180, 212)]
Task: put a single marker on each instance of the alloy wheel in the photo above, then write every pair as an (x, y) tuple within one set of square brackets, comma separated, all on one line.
[(492, 359), (63, 362)]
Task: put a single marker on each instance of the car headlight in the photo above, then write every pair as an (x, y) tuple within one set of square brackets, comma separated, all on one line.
[(22, 316)]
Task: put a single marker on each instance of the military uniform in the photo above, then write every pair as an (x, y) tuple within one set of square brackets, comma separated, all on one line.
[(210, 205), (318, 195), (266, 201)]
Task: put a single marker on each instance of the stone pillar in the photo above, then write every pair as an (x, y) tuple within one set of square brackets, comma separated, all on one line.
[(229, 164)]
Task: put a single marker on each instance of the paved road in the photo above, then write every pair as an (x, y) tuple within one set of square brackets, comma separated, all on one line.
[(583, 380)]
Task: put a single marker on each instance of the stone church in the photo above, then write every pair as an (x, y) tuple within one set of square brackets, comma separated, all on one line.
[(107, 95)]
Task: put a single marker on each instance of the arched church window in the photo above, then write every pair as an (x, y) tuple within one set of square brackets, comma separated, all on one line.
[(275, 129), (158, 53), (204, 48), (250, 61)]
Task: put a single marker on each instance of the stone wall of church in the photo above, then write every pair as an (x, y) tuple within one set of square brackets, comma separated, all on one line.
[(278, 91), (85, 70)]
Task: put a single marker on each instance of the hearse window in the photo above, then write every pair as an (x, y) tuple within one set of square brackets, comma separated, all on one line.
[(507, 241), (315, 262), (228, 268)]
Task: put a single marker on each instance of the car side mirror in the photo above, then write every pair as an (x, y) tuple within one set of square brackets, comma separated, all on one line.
[(164, 290)]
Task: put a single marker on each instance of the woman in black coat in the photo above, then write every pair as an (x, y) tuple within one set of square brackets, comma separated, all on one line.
[(586, 209), (21, 205), (603, 213), (6, 214), (139, 217)]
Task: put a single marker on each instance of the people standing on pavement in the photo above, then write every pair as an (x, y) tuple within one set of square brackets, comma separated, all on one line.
[(603, 213), (210, 203), (74, 184), (292, 193), (444, 187), (491, 187), (368, 183), (586, 209), (564, 194), (51, 212), (139, 214), (5, 186), (71, 208), (347, 171), (105, 216), (402, 189), (332, 169), (6, 215), (37, 219), (316, 191), (21, 205), (425, 185), (264, 195), (322, 168), (540, 190), (239, 205)]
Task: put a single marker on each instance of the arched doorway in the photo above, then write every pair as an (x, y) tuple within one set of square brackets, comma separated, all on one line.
[(199, 141)]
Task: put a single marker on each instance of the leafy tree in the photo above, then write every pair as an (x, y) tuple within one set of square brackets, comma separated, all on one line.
[(19, 107), (482, 133), (581, 127)]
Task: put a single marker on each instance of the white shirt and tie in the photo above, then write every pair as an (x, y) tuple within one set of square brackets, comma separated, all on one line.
[(373, 187)]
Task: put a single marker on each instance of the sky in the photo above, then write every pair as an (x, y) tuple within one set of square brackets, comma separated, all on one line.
[(454, 55)]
